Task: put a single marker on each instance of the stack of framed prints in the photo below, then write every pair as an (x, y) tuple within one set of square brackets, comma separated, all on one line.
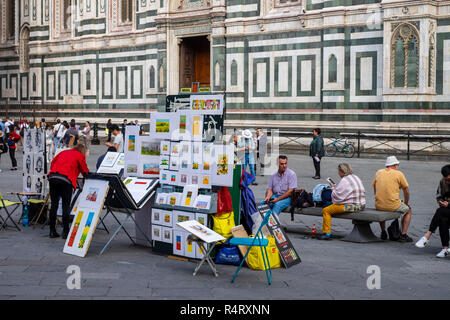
[(34, 158), (87, 212), (113, 163)]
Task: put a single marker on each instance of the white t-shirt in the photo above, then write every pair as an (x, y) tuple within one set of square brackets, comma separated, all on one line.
[(59, 129), (119, 141)]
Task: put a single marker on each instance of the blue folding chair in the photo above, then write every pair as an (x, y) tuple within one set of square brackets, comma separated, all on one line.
[(257, 241)]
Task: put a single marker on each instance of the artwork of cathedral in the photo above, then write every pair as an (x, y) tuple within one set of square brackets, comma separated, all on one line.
[(280, 63)]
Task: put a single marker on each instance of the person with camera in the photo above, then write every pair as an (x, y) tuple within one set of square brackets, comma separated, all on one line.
[(441, 217), (348, 195)]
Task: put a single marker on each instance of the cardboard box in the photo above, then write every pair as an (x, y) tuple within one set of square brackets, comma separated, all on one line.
[(239, 232)]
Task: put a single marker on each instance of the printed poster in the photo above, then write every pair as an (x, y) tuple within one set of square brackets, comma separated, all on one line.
[(287, 251)]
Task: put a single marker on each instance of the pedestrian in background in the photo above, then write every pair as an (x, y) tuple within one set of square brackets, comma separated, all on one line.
[(13, 138), (261, 149), (316, 151), (3, 145), (87, 135), (58, 133), (108, 128), (246, 144), (49, 142)]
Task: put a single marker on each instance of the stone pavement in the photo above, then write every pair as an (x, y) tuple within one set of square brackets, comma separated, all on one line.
[(32, 266)]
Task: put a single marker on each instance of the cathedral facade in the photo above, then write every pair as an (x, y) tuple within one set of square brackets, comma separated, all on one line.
[(280, 63)]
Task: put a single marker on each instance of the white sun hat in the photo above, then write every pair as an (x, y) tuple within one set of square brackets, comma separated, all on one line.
[(392, 160), (247, 134)]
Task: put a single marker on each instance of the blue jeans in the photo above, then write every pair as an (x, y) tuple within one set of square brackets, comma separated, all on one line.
[(279, 206), (56, 144), (250, 160)]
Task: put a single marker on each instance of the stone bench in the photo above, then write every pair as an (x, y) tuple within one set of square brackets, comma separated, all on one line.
[(361, 220)]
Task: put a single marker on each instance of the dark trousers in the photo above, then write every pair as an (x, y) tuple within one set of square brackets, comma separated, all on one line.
[(317, 166), (60, 189), (12, 155), (441, 219), (109, 135)]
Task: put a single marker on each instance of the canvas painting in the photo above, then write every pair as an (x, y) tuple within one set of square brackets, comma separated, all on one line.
[(81, 231), (163, 124), (28, 164), (189, 195), (93, 194), (28, 140), (166, 235), (203, 202), (38, 164), (39, 143), (175, 149), (150, 169), (207, 104), (164, 162), (150, 148), (156, 232), (164, 177), (165, 148), (158, 216), (178, 242)]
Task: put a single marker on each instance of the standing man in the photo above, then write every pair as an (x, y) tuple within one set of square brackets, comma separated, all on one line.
[(261, 147), (386, 186), (118, 139), (316, 151), (246, 145), (124, 124), (281, 186), (58, 133)]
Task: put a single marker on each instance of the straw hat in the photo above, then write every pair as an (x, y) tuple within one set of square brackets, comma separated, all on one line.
[(392, 160), (247, 134)]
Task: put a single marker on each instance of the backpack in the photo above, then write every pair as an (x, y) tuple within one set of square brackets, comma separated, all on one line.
[(302, 200), (322, 195), (11, 142), (394, 231)]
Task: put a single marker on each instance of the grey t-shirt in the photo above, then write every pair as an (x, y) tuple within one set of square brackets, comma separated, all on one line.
[(119, 141)]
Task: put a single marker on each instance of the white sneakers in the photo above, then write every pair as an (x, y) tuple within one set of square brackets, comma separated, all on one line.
[(422, 242), (444, 253)]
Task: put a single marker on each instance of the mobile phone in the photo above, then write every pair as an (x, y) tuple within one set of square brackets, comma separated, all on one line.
[(330, 180)]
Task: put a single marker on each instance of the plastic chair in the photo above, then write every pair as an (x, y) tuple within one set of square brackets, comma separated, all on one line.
[(4, 204), (257, 241)]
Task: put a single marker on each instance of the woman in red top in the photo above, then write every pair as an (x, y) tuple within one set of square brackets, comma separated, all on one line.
[(12, 144), (63, 175)]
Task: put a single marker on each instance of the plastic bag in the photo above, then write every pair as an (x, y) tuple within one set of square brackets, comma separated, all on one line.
[(222, 224), (255, 259), (228, 254), (224, 203)]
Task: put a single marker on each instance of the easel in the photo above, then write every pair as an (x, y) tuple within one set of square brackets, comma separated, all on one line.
[(207, 255), (119, 200)]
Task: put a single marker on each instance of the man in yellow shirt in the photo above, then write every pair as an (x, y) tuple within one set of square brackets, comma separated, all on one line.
[(386, 186)]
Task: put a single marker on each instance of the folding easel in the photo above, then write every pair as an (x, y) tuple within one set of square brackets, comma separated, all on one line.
[(207, 255), (119, 200)]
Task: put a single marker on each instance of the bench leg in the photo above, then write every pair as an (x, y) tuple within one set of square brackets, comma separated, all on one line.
[(361, 233)]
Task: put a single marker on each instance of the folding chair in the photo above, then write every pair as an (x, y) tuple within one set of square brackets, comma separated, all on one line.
[(4, 204), (257, 241)]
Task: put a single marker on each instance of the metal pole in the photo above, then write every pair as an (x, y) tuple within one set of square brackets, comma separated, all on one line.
[(408, 145), (359, 142)]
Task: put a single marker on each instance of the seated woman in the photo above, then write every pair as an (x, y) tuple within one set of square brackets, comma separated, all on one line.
[(348, 195), (441, 217)]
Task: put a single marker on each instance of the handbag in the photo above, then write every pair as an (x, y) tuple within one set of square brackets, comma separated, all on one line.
[(255, 259), (223, 223), (394, 231), (228, 254)]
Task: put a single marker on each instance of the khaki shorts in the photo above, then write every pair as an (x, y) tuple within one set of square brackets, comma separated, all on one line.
[(403, 209)]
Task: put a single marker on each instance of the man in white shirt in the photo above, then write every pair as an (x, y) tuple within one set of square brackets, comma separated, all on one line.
[(118, 138), (58, 133)]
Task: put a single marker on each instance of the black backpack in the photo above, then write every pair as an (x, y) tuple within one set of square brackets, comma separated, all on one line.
[(394, 231), (304, 200)]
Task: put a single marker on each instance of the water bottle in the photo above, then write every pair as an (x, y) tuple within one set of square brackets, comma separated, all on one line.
[(25, 216), (313, 231)]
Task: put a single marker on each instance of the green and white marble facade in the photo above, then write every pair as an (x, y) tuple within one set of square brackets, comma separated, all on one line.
[(280, 63)]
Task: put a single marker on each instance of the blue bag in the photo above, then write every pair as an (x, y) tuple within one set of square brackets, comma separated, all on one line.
[(228, 254)]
